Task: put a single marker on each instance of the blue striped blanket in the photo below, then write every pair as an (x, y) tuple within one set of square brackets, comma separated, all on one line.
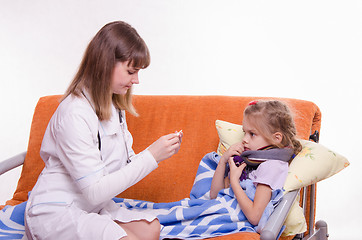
[(12, 222), (199, 216), (196, 217)]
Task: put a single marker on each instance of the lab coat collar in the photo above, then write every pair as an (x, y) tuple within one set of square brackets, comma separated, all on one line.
[(107, 127), (111, 126)]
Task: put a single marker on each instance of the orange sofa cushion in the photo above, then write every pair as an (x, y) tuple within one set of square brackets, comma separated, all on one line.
[(159, 115), (196, 116)]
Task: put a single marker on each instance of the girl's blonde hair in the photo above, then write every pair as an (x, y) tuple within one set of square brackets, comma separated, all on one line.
[(272, 116), (115, 42)]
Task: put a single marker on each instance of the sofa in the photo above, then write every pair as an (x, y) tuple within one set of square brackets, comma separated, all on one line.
[(160, 115)]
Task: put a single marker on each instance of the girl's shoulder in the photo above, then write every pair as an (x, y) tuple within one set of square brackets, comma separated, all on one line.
[(273, 164), (272, 173)]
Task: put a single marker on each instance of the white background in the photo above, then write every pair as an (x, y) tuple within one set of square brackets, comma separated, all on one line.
[(310, 50)]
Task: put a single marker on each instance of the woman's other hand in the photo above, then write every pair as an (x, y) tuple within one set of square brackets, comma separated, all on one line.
[(166, 146)]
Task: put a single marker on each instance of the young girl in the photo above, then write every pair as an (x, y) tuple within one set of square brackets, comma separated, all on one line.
[(87, 148), (270, 138)]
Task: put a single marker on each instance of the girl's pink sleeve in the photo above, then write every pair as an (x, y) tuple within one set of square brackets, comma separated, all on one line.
[(272, 173)]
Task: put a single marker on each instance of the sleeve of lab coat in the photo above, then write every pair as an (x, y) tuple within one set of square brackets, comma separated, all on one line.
[(77, 149)]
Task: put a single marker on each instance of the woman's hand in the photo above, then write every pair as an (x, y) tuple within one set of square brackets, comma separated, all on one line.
[(166, 146)]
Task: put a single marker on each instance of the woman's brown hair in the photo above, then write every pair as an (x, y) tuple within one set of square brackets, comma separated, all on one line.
[(115, 42), (274, 116)]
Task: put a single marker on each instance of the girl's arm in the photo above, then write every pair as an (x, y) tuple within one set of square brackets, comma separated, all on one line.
[(217, 182), (218, 179), (253, 210)]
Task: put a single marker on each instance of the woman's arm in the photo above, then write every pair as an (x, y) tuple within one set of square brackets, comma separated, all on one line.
[(78, 152), (110, 185), (253, 210), (142, 164)]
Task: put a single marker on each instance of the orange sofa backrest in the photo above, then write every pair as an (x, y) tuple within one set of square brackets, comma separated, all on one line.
[(160, 115)]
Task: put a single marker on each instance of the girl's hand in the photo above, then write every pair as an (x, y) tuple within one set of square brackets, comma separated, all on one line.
[(166, 146), (235, 171), (235, 149)]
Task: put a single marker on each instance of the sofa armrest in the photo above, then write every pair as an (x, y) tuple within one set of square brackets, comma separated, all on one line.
[(277, 218), (12, 163)]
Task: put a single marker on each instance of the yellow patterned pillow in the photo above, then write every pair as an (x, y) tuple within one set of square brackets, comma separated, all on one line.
[(314, 163), (295, 222)]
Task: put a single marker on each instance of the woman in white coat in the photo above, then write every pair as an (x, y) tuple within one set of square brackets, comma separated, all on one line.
[(87, 148)]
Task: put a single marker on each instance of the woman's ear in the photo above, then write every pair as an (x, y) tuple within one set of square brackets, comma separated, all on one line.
[(278, 137)]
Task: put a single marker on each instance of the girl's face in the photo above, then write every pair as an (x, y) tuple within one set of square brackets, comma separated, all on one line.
[(252, 139), (123, 78)]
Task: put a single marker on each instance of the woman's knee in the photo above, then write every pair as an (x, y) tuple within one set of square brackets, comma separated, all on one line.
[(154, 229), (142, 229)]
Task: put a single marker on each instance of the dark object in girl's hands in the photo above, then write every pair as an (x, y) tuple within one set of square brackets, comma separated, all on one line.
[(238, 160)]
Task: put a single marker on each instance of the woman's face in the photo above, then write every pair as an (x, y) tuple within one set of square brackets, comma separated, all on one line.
[(123, 77)]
